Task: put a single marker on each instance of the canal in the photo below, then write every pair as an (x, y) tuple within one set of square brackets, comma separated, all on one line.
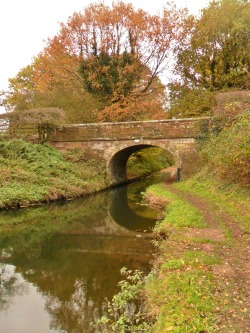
[(60, 262)]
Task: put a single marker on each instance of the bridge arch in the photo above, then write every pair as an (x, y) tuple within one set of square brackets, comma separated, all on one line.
[(117, 164)]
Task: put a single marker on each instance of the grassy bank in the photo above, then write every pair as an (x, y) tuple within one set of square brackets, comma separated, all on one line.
[(232, 198), (33, 174), (181, 293), (200, 280)]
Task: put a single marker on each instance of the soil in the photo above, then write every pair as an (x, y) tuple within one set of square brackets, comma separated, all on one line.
[(230, 243)]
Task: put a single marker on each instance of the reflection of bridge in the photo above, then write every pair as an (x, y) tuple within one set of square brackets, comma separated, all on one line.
[(113, 143)]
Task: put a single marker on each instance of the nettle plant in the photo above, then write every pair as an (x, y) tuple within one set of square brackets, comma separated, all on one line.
[(126, 311)]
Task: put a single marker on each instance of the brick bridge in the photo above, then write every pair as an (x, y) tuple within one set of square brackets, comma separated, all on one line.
[(113, 143)]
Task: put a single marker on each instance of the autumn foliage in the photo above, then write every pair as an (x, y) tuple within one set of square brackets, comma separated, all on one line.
[(114, 53), (106, 63)]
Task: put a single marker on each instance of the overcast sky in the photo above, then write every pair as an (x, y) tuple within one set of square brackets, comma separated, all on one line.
[(25, 25)]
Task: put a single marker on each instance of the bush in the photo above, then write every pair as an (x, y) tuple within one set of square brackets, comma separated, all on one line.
[(126, 312), (228, 154)]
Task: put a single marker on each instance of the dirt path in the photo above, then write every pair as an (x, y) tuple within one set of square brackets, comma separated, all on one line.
[(231, 244)]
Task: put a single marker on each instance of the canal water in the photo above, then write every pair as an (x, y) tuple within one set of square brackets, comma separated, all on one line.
[(60, 262)]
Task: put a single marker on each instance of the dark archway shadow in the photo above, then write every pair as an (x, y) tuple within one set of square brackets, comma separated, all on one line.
[(129, 218), (117, 164)]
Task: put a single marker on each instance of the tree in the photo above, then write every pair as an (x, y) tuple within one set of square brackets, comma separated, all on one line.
[(21, 93), (104, 64), (117, 53), (215, 53), (190, 102), (213, 56), (26, 91)]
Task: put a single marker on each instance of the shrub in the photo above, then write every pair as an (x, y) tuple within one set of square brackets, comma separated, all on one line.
[(228, 154)]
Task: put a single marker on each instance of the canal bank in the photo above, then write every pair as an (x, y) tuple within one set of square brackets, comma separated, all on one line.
[(201, 276)]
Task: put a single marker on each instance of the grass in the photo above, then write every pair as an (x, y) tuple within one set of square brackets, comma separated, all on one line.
[(232, 198), (178, 213), (183, 301), (183, 294), (32, 174), (192, 259), (180, 292)]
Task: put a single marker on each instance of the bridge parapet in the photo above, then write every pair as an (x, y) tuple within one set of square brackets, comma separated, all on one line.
[(153, 129)]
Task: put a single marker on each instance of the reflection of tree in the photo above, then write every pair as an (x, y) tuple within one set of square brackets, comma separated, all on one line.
[(37, 225), (73, 315), (11, 285), (76, 251)]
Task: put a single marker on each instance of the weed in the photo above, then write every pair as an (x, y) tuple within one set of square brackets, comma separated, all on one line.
[(126, 311)]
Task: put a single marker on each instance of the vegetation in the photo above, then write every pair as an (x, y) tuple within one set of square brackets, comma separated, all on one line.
[(126, 311), (104, 65), (221, 39), (24, 93), (39, 119), (107, 57), (231, 159), (212, 57), (33, 173), (182, 298), (148, 160), (232, 198), (180, 293), (188, 103), (178, 212)]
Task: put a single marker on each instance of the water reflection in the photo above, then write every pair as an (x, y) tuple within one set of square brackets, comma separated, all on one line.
[(65, 259), (21, 306), (129, 211)]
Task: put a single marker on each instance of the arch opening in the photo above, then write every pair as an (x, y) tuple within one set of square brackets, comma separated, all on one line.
[(137, 161)]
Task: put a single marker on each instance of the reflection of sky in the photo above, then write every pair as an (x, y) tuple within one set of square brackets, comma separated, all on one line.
[(26, 312)]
